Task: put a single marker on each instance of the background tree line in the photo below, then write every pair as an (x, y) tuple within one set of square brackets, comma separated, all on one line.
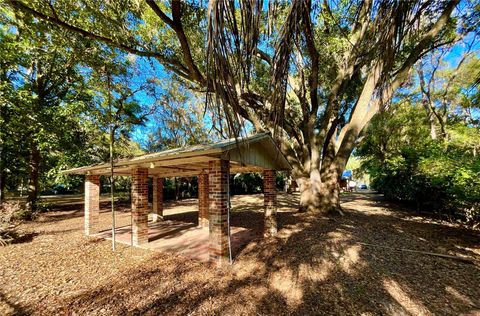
[(423, 150), (63, 99), (314, 74)]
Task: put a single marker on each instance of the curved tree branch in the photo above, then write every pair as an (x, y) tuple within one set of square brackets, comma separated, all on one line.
[(169, 63), (176, 24)]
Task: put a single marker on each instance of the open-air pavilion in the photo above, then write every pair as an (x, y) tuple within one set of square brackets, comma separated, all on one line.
[(212, 164)]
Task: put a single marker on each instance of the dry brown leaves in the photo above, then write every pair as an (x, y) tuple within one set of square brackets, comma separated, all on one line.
[(315, 265)]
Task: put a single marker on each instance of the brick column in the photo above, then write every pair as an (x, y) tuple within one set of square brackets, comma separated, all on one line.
[(203, 199), (270, 202), (157, 204), (218, 174), (92, 203), (140, 206)]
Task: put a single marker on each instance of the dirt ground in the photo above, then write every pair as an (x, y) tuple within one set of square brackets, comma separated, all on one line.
[(315, 265)]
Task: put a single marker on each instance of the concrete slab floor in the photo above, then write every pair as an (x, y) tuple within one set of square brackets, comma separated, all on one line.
[(185, 239)]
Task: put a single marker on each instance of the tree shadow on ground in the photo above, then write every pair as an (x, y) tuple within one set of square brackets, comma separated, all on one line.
[(61, 213), (316, 265), (353, 278), (14, 308), (188, 217), (24, 237)]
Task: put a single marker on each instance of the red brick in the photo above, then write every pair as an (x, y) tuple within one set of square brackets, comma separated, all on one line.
[(218, 173), (92, 203), (270, 202), (140, 206)]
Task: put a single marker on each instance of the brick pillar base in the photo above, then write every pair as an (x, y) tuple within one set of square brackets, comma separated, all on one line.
[(157, 204), (218, 174), (203, 199), (270, 202), (140, 206), (92, 203)]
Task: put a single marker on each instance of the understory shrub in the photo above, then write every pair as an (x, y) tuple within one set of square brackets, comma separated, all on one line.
[(432, 181), (433, 175), (9, 216)]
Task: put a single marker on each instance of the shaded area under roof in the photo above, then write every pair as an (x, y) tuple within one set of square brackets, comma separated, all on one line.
[(250, 154)]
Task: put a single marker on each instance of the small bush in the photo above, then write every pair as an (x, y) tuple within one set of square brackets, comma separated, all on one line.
[(9, 216), (41, 207), (434, 175), (123, 199)]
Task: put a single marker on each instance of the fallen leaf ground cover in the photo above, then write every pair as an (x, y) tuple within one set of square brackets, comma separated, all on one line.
[(315, 265)]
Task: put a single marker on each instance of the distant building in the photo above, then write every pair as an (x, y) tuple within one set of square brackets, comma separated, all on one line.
[(346, 181)]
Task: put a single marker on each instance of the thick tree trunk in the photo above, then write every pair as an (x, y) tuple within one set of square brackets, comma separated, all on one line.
[(433, 127), (319, 195), (307, 197), (320, 191), (34, 168)]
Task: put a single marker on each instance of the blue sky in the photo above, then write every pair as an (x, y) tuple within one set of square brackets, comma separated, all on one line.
[(147, 67), (150, 67)]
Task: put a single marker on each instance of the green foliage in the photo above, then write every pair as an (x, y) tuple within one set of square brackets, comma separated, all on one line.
[(455, 169), (180, 121), (52, 100), (27, 215), (41, 94), (240, 183), (180, 188), (244, 183), (436, 175), (252, 182), (322, 59)]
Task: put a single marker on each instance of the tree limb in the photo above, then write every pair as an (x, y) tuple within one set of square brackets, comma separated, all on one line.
[(187, 54), (153, 5), (168, 63)]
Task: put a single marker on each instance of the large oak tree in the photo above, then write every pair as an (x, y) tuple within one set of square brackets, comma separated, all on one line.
[(313, 73), (39, 90)]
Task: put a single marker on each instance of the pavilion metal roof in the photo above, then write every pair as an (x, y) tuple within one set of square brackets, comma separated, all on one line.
[(248, 154)]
